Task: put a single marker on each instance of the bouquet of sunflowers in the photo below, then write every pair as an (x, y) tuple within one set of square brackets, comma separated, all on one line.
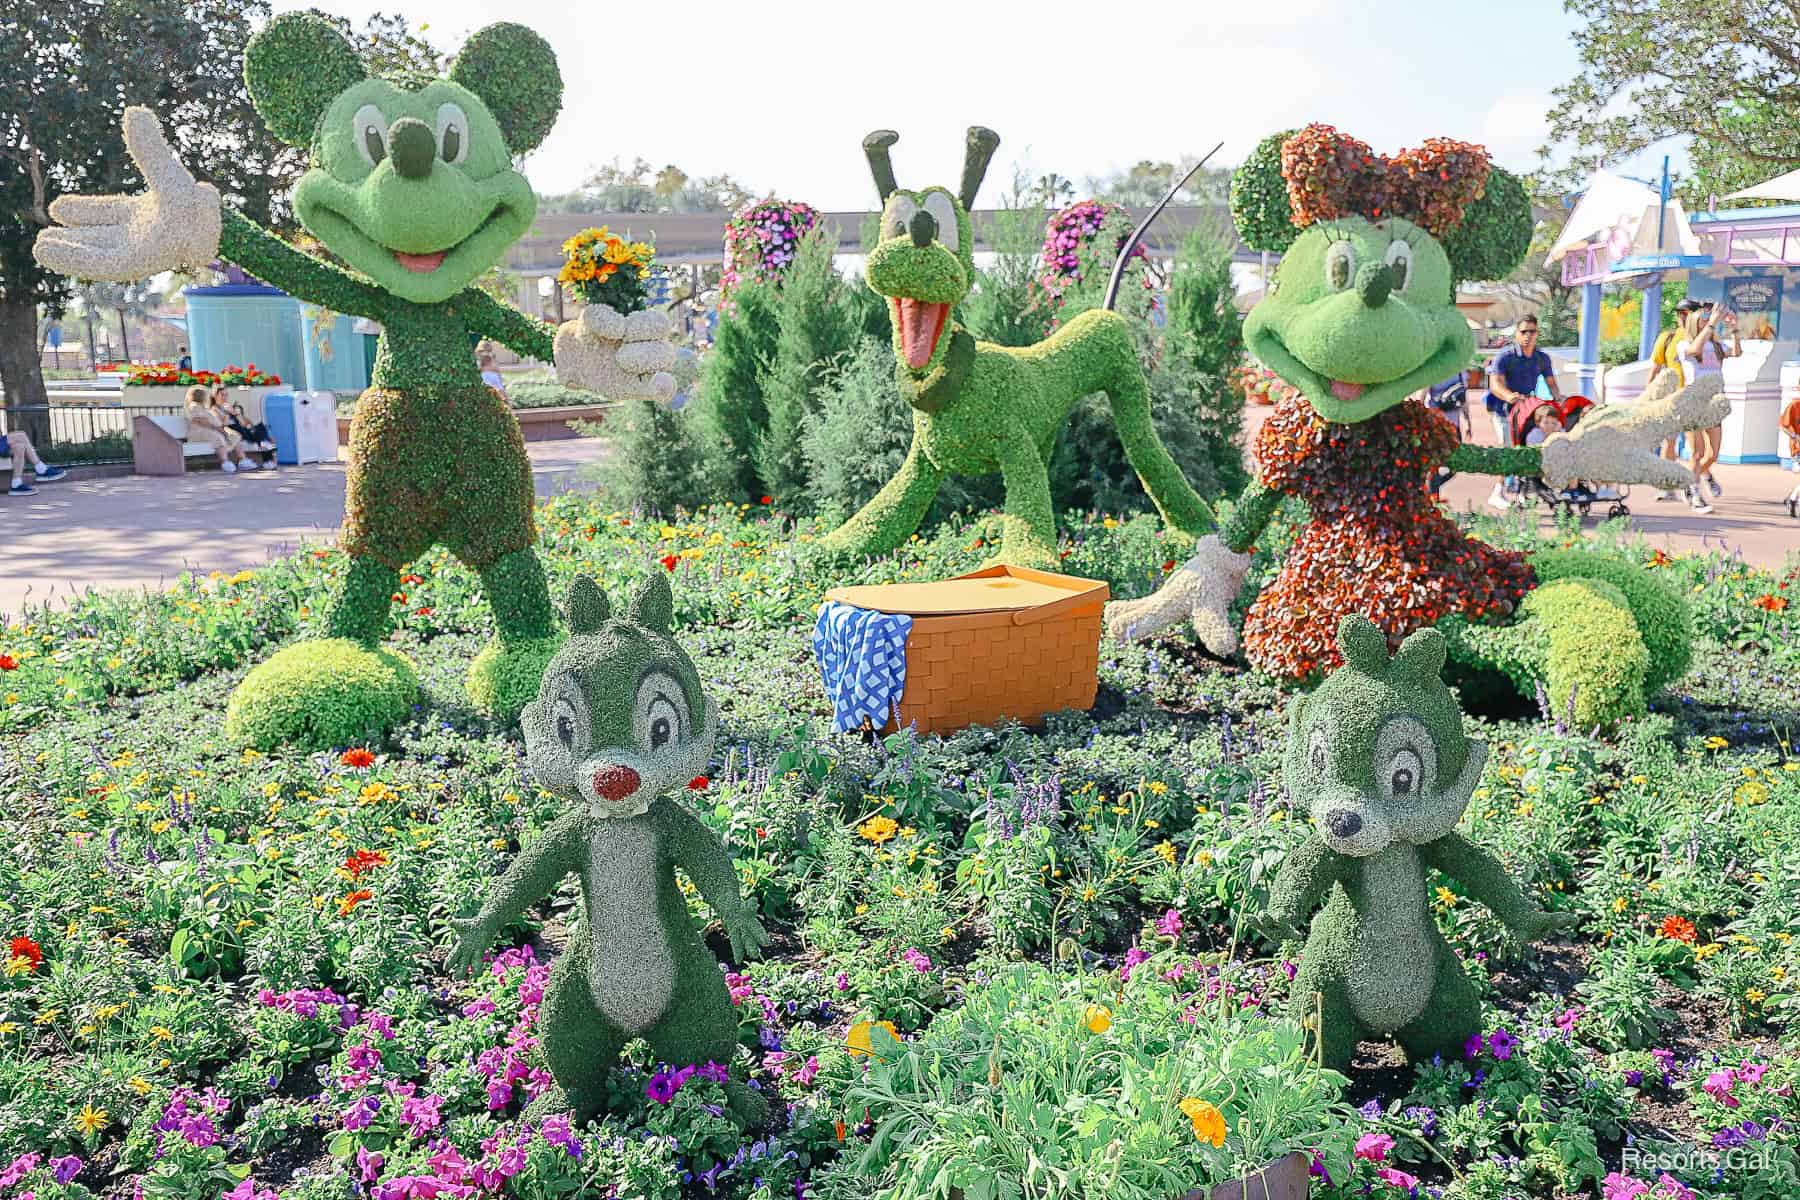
[(603, 269)]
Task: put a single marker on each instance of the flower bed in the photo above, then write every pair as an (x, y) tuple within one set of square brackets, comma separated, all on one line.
[(223, 969)]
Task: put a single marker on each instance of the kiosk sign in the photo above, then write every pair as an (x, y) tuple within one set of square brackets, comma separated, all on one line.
[(1756, 302)]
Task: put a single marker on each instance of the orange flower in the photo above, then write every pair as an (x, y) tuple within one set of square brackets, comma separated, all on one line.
[(8, 663), (357, 757), (25, 948), (1659, 559), (861, 1041), (1771, 603), (1678, 929), (348, 904)]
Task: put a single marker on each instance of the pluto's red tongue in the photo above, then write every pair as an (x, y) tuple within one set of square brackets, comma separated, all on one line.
[(920, 326), (1347, 392), (420, 263)]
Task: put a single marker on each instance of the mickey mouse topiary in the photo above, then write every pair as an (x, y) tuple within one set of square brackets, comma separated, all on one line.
[(411, 182)]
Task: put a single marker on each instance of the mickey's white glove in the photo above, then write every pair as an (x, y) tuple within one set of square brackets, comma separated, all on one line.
[(623, 357), (1200, 590), (1619, 445), (173, 224)]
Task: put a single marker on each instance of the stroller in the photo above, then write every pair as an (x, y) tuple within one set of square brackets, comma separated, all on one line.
[(1582, 496)]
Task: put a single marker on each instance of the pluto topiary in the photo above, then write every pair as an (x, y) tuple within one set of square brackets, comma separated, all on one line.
[(1360, 315), (411, 182), (357, 694), (619, 723), (980, 408), (1378, 759)]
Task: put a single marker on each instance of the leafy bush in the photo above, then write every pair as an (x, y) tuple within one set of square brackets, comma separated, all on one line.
[(730, 409), (663, 461), (1619, 351), (353, 692), (815, 326)]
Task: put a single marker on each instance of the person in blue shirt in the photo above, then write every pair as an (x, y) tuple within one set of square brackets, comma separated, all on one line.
[(1513, 376), (186, 362)]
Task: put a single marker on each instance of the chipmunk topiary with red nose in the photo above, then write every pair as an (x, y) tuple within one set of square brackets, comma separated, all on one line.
[(620, 722)]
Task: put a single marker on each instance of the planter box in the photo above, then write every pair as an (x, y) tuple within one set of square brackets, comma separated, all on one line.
[(1001, 642), (173, 396), (537, 424), (1286, 1178)]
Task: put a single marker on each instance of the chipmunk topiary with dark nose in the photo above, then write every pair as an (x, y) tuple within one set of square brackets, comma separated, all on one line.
[(620, 722), (1378, 758)]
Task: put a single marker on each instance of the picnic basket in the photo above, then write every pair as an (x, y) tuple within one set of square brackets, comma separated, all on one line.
[(1000, 642)]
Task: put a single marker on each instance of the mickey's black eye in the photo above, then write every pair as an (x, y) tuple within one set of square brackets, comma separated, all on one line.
[(369, 129), (660, 733), (1403, 781)]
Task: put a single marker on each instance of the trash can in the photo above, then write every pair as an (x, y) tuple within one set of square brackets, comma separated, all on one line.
[(304, 426)]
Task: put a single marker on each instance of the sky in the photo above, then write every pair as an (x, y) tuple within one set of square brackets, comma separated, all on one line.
[(779, 95)]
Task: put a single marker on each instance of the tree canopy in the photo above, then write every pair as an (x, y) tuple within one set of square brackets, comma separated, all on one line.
[(1727, 73)]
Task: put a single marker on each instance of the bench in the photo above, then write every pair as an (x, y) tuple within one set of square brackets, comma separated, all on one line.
[(160, 446)]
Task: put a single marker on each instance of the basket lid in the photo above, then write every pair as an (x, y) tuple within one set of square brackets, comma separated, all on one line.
[(993, 589)]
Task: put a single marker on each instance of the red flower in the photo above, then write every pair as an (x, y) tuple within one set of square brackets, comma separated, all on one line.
[(24, 947), (348, 904), (364, 861), (1659, 559), (422, 612), (768, 499), (669, 560), (412, 579), (1770, 603), (1168, 565), (398, 597), (1678, 929), (357, 757), (698, 783), (8, 663)]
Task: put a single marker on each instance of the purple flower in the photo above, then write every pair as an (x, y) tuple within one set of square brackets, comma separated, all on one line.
[(713, 1071), (363, 1057), (842, 981), (662, 1087), (499, 1095), (1634, 1078), (19, 1168), (199, 1131), (1473, 1046), (557, 1132), (65, 1168), (1371, 1110), (368, 1165), (423, 1114), (1502, 1044), (917, 960), (361, 1113), (382, 1024), (1133, 957), (1169, 924)]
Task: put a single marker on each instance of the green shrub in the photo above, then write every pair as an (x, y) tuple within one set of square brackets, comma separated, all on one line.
[(1619, 351), (730, 409), (815, 322), (352, 694), (1006, 307), (502, 683), (663, 461), (1664, 620), (539, 389)]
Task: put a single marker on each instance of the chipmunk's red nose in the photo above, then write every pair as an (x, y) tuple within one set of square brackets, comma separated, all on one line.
[(615, 782)]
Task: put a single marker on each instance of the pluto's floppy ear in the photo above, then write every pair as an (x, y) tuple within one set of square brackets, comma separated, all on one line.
[(514, 72), (294, 67), (978, 150), (652, 605), (1421, 656), (881, 163), (588, 609), (1363, 645)]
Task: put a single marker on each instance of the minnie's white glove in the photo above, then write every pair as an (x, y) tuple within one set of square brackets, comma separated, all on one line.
[(1200, 590)]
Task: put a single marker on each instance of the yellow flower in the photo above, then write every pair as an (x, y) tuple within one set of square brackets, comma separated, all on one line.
[(1446, 897), (878, 829), (1715, 743), (1157, 787), (1165, 850), (1208, 1121), (140, 1085), (1755, 995), (861, 1037), (91, 1120), (1098, 1018), (1620, 904), (7, 1027), (162, 1033)]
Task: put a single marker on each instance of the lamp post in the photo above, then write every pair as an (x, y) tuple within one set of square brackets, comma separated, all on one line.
[(546, 285)]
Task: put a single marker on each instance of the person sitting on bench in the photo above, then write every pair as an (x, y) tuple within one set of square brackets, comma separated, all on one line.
[(18, 447), (205, 425), (257, 439)]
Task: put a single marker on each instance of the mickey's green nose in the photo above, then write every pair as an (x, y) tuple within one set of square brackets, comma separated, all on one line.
[(413, 146), (1374, 281)]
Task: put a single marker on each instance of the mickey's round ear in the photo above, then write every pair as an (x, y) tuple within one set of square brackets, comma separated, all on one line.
[(1495, 231), (1259, 198), (652, 604), (514, 72), (295, 66)]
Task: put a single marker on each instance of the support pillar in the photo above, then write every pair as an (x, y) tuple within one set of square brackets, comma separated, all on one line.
[(1587, 371), (1651, 325)]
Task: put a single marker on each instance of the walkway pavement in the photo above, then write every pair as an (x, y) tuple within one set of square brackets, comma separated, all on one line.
[(1749, 518), (133, 531)]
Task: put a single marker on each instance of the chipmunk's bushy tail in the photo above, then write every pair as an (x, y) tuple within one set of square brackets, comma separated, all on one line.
[(1137, 235)]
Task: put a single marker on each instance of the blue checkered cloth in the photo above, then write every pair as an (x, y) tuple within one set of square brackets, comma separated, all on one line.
[(862, 661)]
